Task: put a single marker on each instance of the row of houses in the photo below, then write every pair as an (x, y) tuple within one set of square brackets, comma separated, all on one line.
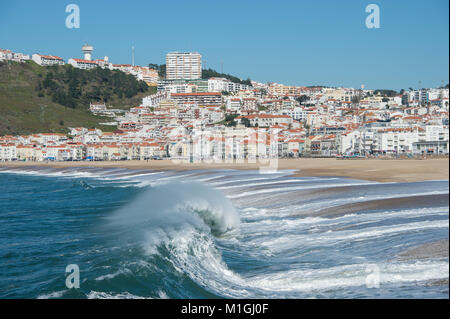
[(8, 55), (80, 152), (146, 74), (220, 142)]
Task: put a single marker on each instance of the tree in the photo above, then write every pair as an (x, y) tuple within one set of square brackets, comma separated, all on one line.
[(74, 87), (302, 98), (229, 120), (210, 73), (162, 71), (388, 93), (246, 122)]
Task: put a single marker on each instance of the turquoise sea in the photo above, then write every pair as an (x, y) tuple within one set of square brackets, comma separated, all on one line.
[(218, 234)]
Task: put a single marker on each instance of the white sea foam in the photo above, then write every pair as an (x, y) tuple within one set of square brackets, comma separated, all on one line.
[(322, 239), (111, 295), (284, 181), (258, 221), (230, 181), (293, 188), (351, 275), (52, 295)]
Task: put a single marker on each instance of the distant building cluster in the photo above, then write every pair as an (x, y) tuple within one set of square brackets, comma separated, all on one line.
[(201, 86), (8, 55), (146, 74), (192, 119)]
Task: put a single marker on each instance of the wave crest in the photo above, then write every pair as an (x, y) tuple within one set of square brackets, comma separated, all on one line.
[(176, 206)]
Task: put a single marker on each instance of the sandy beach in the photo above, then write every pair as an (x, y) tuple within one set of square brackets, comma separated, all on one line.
[(428, 250), (380, 170)]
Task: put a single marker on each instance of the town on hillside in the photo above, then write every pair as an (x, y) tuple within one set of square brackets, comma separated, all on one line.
[(193, 118)]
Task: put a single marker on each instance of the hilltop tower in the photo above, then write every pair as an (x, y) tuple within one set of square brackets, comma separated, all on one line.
[(87, 50)]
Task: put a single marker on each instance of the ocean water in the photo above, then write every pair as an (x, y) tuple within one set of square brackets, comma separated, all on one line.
[(217, 234)]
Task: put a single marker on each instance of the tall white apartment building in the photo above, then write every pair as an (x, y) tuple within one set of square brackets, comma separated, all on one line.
[(183, 65)]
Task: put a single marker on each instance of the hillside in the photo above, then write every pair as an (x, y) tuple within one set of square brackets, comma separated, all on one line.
[(210, 73), (206, 74), (50, 99)]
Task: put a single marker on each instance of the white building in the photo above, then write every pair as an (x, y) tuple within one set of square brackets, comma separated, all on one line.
[(7, 152), (297, 113), (127, 68), (5, 54), (266, 120), (397, 140), (154, 99), (83, 64), (218, 84), (13, 56), (436, 133), (143, 73), (104, 63), (236, 87), (47, 60), (180, 88), (183, 65)]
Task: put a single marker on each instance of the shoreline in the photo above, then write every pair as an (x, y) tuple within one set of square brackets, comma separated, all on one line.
[(378, 170), (434, 249)]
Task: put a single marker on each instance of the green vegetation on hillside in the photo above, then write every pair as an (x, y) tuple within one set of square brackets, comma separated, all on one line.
[(160, 68), (210, 73), (388, 93), (76, 88), (50, 99), (206, 74)]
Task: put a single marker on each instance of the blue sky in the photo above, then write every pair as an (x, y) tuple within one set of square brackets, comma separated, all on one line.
[(321, 42)]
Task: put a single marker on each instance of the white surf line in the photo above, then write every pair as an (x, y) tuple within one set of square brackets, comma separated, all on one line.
[(286, 189), (208, 179), (130, 176), (350, 219), (282, 174), (50, 174), (318, 228), (350, 275), (316, 239), (383, 230), (239, 180), (177, 176), (163, 180), (276, 182), (350, 200), (100, 175)]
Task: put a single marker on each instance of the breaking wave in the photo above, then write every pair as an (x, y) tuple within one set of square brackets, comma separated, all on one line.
[(225, 234)]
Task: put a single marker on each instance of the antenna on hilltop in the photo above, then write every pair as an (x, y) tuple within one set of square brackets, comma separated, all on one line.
[(132, 55)]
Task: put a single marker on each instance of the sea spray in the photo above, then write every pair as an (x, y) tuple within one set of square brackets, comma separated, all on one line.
[(173, 207), (177, 222)]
